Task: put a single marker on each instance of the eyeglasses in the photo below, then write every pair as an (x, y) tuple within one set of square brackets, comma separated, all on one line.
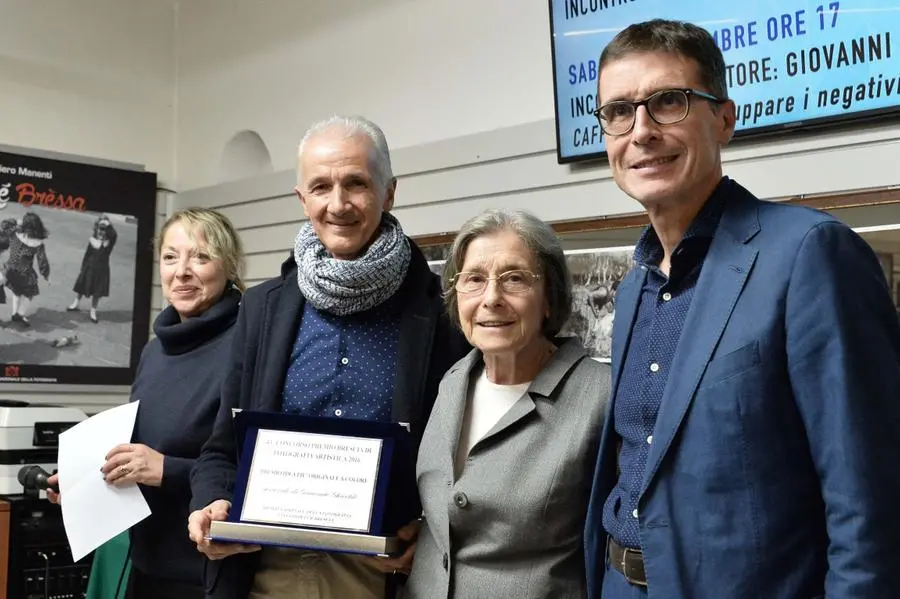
[(511, 281), (665, 107)]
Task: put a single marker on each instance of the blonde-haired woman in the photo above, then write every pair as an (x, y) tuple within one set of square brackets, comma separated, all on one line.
[(177, 382)]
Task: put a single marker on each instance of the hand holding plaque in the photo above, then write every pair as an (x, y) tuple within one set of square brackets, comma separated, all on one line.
[(402, 562), (198, 530), (320, 483)]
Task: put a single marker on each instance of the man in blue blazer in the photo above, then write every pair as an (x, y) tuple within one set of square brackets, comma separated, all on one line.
[(753, 441)]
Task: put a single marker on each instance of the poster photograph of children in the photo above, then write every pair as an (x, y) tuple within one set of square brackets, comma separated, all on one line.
[(76, 260), (67, 294), (596, 274)]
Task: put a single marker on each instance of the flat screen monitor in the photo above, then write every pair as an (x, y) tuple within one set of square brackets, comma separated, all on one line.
[(789, 66)]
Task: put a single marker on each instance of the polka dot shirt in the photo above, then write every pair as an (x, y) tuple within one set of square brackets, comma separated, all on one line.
[(661, 312), (344, 366)]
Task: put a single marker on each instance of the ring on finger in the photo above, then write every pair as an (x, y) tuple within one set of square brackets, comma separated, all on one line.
[(123, 470)]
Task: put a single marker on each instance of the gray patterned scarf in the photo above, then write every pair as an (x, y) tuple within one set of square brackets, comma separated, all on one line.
[(348, 286)]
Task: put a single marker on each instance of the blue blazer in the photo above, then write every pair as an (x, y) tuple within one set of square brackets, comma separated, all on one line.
[(774, 470)]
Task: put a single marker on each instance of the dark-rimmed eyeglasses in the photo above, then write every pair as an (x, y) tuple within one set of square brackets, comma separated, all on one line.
[(665, 107), (511, 281)]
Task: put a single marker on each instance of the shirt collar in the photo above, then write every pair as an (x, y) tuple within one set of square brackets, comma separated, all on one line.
[(649, 251)]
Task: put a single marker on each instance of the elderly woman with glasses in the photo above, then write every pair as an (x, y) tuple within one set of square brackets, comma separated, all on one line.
[(505, 465)]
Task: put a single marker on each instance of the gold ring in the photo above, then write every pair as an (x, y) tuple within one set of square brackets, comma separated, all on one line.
[(123, 470)]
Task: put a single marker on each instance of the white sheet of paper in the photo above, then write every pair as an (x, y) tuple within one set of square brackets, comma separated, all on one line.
[(93, 510)]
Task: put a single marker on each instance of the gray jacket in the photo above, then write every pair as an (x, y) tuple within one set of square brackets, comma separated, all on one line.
[(511, 526)]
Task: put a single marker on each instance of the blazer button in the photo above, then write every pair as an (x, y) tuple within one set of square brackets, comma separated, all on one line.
[(460, 500), (446, 561)]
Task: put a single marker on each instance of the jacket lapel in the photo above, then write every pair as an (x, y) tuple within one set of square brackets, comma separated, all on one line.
[(454, 407), (567, 355), (284, 308), (626, 299), (517, 412), (724, 273), (440, 451), (417, 325)]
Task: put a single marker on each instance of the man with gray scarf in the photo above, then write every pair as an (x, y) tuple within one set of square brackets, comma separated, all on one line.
[(354, 327)]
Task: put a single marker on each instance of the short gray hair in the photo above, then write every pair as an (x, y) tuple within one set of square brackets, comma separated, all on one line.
[(541, 241), (351, 126)]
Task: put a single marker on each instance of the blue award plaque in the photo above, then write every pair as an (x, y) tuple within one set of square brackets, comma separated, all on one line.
[(328, 484)]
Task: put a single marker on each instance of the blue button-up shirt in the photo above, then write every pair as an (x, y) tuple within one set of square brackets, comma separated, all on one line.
[(662, 308), (344, 366)]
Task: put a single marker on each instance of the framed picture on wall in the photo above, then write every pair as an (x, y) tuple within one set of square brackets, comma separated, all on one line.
[(76, 264), (596, 275)]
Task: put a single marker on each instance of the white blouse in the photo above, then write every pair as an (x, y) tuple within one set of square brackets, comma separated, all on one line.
[(486, 404)]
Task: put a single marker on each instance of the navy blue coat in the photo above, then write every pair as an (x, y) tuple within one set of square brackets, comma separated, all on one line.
[(265, 333), (773, 468), (176, 383)]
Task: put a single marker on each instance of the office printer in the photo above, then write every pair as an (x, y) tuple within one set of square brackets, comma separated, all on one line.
[(29, 434)]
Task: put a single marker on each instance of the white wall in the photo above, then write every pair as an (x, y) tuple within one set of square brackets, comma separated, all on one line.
[(93, 78), (90, 77), (425, 70)]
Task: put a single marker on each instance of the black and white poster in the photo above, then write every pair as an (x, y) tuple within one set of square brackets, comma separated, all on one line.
[(75, 270), (596, 275)]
